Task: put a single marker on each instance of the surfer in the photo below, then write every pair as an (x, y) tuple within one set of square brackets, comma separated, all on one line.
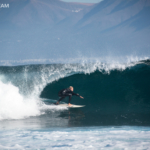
[(67, 92)]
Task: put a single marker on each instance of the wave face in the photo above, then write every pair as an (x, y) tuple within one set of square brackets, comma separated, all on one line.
[(115, 94)]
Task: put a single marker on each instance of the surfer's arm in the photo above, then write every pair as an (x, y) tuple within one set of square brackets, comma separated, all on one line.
[(77, 95)]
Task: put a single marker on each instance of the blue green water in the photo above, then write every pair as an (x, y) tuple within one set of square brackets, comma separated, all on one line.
[(116, 115)]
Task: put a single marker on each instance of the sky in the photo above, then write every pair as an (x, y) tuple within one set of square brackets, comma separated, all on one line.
[(64, 32), (83, 1)]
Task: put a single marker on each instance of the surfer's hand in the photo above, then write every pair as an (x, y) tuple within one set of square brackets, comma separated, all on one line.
[(81, 97)]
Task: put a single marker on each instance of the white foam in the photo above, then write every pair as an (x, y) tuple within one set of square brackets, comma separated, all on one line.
[(13, 105), (78, 138)]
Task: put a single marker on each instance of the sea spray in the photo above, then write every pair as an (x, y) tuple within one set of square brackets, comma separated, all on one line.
[(13, 105)]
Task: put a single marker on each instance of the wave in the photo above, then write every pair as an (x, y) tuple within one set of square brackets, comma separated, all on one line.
[(121, 96), (109, 88), (81, 59)]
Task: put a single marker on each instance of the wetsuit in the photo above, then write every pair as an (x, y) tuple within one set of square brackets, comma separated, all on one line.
[(66, 92)]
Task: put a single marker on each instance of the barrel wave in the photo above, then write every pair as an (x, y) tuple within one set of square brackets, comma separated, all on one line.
[(120, 97), (114, 94)]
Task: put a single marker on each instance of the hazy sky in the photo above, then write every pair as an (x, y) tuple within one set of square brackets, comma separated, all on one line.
[(83, 1)]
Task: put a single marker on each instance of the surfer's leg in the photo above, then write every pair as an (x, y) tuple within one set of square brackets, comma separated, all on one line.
[(70, 96), (61, 98)]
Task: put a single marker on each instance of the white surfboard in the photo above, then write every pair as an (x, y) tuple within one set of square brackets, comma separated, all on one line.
[(72, 106)]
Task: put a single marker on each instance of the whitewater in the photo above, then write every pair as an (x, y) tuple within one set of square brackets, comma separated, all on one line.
[(76, 138), (116, 115)]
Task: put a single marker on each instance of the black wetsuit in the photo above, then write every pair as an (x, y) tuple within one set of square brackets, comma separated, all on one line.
[(66, 92)]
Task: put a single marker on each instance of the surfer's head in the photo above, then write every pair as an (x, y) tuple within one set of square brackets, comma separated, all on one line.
[(71, 88)]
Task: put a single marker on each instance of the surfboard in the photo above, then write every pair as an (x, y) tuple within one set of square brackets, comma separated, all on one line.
[(72, 106)]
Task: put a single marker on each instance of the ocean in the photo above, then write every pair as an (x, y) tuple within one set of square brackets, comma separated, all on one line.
[(116, 113)]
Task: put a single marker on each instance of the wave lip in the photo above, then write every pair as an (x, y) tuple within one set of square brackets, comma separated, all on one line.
[(81, 60)]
